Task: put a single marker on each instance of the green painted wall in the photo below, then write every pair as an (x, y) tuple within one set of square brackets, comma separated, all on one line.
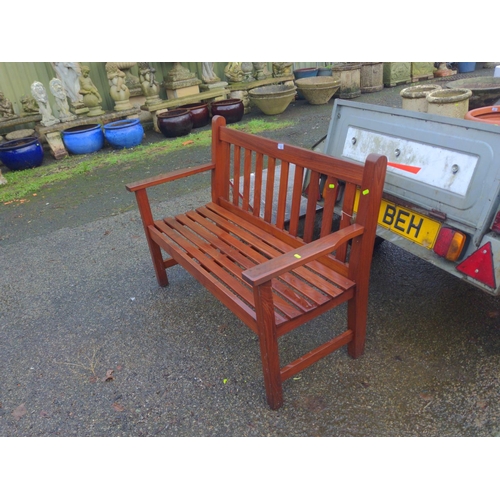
[(16, 77)]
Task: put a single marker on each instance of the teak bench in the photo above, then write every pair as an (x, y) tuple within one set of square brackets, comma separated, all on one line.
[(253, 257)]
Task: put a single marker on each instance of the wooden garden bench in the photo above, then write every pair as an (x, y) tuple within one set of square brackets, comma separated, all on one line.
[(265, 261)]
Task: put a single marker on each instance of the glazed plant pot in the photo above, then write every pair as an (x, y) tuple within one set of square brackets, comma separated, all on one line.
[(272, 99), (175, 123), (20, 154), (488, 114), (324, 71), (199, 114), (83, 139), (231, 109), (124, 133)]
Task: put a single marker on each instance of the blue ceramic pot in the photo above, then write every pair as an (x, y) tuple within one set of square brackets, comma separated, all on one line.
[(83, 139), (124, 133), (20, 154)]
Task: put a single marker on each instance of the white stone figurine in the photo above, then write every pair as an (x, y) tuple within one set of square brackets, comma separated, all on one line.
[(69, 74), (39, 93), (61, 98)]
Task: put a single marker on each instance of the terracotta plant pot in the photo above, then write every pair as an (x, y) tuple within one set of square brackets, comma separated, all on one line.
[(175, 123), (199, 113), (488, 114), (231, 109)]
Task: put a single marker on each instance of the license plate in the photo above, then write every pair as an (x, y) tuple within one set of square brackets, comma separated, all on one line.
[(407, 223)]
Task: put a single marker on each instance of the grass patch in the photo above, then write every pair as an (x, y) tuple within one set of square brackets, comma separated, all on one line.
[(25, 182)]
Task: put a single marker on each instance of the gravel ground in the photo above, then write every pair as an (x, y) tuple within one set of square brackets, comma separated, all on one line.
[(91, 346)]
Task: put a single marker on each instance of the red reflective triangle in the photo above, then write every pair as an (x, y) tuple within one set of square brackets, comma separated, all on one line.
[(479, 266)]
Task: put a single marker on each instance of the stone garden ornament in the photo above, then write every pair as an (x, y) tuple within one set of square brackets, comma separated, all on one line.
[(118, 91), (91, 97), (6, 108), (59, 93), (40, 94), (149, 85)]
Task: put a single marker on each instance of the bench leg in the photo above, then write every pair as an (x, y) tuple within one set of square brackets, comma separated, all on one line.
[(268, 345), (154, 249), (357, 309)]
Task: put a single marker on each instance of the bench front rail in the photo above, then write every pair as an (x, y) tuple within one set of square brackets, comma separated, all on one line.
[(267, 252)]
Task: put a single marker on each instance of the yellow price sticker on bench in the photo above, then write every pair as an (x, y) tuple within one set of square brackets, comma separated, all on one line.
[(297, 256), (366, 191), (331, 186)]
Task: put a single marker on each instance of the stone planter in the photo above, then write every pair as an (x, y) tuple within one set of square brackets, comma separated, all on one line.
[(20, 154), (83, 139), (272, 99), (304, 73), (372, 77), (422, 71), (485, 90), (449, 102), (396, 73), (318, 89), (349, 75), (415, 98)]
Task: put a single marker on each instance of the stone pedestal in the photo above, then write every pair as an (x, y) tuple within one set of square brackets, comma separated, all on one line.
[(180, 82), (177, 93), (349, 75)]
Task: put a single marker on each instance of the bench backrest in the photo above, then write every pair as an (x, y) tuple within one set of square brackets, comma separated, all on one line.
[(265, 179)]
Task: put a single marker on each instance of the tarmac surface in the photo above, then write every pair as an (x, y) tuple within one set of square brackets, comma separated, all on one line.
[(91, 346)]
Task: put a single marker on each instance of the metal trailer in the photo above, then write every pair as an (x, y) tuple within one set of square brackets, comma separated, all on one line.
[(442, 190)]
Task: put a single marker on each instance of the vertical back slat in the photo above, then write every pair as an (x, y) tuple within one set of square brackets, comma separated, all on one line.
[(247, 170), (346, 216), (312, 202), (283, 188), (236, 175), (296, 199), (330, 197), (271, 168), (257, 190)]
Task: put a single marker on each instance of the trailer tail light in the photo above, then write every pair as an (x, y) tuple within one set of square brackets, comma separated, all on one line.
[(449, 243), (496, 224), (479, 265)]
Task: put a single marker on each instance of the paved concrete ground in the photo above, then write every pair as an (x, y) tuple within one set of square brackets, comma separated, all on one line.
[(91, 346)]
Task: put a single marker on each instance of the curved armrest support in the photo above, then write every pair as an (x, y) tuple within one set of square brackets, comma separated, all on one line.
[(300, 256), (171, 176)]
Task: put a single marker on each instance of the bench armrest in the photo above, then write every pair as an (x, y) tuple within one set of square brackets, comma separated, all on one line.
[(170, 176), (300, 256)]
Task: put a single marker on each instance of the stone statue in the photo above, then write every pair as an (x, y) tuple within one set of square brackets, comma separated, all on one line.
[(118, 91), (247, 69), (39, 93), (260, 71), (282, 69), (69, 74), (59, 93), (6, 108), (207, 74), (149, 85), (233, 72), (91, 97), (30, 106)]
